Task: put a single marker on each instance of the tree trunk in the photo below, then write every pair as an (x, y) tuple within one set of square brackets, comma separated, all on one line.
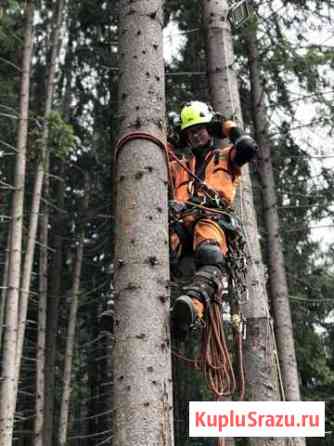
[(42, 315), (4, 287), (8, 384), (261, 378), (21, 311), (52, 309), (34, 215), (70, 339), (277, 274), (92, 371), (56, 271), (141, 356)]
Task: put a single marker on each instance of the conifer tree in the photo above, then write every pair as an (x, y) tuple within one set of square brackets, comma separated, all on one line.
[(277, 274), (9, 370), (142, 398), (260, 367)]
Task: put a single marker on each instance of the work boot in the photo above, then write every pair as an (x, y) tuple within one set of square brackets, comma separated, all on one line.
[(185, 312), (192, 306)]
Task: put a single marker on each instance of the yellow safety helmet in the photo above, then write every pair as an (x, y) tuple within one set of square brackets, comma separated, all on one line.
[(195, 113)]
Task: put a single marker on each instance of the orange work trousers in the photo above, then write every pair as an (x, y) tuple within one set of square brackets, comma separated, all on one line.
[(202, 230)]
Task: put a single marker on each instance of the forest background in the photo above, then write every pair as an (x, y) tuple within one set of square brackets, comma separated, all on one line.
[(75, 122)]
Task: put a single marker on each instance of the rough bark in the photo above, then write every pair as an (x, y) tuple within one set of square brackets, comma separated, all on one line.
[(261, 379), (4, 287), (277, 274), (21, 311), (42, 315), (94, 405), (70, 337), (52, 309), (8, 385), (56, 271), (36, 200), (142, 390)]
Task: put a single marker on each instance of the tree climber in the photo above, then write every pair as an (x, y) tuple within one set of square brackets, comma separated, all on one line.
[(204, 185)]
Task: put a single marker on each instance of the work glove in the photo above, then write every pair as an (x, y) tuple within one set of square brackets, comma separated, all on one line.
[(246, 149), (245, 142)]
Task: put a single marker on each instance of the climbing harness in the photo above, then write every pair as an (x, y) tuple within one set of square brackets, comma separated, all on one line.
[(237, 255), (214, 359), (209, 193)]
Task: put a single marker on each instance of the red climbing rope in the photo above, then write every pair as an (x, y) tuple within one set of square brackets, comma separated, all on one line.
[(147, 137), (214, 359)]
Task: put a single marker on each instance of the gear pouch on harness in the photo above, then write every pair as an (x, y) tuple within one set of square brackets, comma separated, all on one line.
[(236, 259), (231, 224)]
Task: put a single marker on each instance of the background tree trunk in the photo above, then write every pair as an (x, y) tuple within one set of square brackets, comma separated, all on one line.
[(261, 378), (9, 371), (56, 288), (141, 357), (277, 275), (4, 287), (34, 216), (52, 308), (42, 315), (70, 338), (29, 257)]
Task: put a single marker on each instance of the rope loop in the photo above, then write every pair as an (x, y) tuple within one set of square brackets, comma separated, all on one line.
[(140, 135), (147, 137)]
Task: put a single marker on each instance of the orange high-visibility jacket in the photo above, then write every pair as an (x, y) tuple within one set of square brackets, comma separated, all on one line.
[(220, 174)]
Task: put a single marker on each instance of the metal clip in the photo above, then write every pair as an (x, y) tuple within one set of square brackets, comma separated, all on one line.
[(217, 201), (191, 187), (236, 322), (243, 328)]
